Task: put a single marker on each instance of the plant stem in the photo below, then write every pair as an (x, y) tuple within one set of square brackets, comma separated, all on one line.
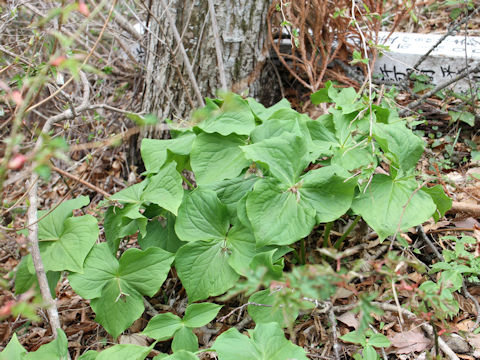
[(302, 252), (339, 242), (326, 234)]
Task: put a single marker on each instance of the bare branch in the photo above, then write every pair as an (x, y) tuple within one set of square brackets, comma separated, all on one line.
[(218, 45)]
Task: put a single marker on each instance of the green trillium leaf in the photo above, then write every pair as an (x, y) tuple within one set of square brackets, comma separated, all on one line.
[(69, 250), (327, 193), (163, 326), (215, 157), (262, 113), (56, 349), (231, 191), (125, 351), (241, 242), (179, 355), (286, 156), (388, 203), (155, 152), (234, 116), (399, 143), (263, 314), (89, 355), (203, 267), (131, 194), (14, 350), (197, 315), (165, 188), (116, 287), (278, 215), (161, 233), (266, 342), (441, 200), (185, 339), (51, 223), (202, 217)]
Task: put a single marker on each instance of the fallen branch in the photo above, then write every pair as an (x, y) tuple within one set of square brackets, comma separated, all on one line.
[(439, 87), (81, 181), (460, 207), (333, 321)]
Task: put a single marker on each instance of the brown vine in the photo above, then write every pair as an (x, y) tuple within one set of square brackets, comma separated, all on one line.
[(321, 31)]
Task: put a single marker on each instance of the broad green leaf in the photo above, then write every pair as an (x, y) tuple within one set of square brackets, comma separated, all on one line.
[(185, 339), (269, 260), (154, 152), (203, 268), (230, 344), (234, 116), (284, 120), (161, 233), (165, 188), (121, 222), (356, 337), (202, 217), (263, 314), (116, 286), (352, 158), (89, 355), (344, 125), (69, 250), (242, 216), (231, 191), (125, 351), (323, 138), (286, 156), (441, 200), (263, 113), (343, 97), (267, 342), (25, 277), (163, 326), (179, 355), (320, 96), (56, 349), (386, 202), (197, 315), (215, 157), (400, 144), (14, 350), (277, 215), (369, 353), (379, 340), (52, 224), (241, 243), (271, 341), (131, 194), (327, 193), (465, 116)]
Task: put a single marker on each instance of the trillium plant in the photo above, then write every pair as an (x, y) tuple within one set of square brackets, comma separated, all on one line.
[(228, 195)]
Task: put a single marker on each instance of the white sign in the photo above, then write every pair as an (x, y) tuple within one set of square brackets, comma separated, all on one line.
[(444, 63)]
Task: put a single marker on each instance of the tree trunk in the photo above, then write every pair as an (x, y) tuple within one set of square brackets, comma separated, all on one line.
[(242, 30)]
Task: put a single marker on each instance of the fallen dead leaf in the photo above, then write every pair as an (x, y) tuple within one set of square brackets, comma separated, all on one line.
[(349, 319), (467, 223), (135, 339), (410, 341)]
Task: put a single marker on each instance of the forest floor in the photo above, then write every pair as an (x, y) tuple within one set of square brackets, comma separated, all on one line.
[(452, 157)]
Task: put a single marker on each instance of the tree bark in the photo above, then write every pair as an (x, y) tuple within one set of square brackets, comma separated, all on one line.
[(242, 31)]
